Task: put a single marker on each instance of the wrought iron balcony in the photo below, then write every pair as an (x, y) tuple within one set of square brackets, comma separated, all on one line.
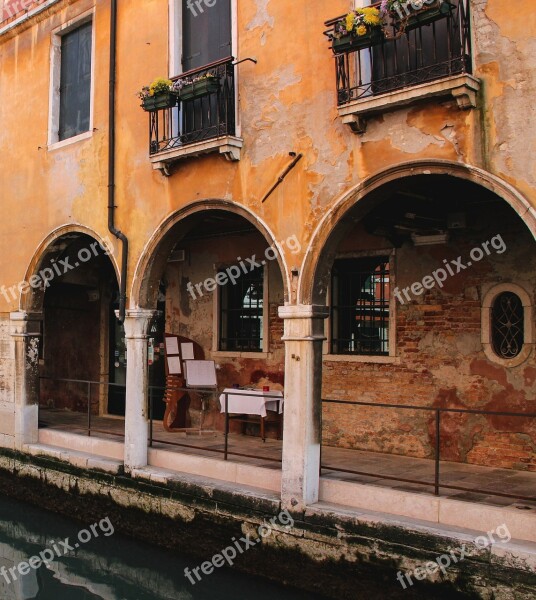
[(205, 111), (428, 47)]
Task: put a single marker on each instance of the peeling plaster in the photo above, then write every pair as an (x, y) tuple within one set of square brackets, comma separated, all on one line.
[(410, 140), (262, 17)]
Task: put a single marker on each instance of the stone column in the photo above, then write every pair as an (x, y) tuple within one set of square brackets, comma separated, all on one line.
[(26, 331), (304, 335), (136, 410)]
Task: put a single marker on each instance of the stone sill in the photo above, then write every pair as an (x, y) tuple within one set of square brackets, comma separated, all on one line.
[(228, 145), (462, 87), (361, 358), (232, 354)]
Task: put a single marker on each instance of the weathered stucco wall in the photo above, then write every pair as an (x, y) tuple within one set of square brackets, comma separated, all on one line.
[(287, 102)]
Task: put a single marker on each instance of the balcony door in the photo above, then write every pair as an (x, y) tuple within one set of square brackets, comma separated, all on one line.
[(206, 36)]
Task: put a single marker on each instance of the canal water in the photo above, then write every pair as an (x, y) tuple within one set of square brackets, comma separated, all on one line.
[(107, 567)]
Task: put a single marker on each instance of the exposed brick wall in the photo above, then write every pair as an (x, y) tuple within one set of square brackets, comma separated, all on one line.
[(440, 363)]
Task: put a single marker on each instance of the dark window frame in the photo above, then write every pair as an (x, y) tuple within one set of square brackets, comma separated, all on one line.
[(507, 325), (75, 88), (241, 320), (360, 293)]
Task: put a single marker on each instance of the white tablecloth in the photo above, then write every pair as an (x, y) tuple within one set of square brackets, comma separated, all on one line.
[(251, 402)]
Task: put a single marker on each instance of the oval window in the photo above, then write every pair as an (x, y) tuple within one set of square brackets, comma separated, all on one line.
[(507, 325)]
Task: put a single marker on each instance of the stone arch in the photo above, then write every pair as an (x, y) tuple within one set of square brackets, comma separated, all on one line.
[(334, 226), (152, 261), (32, 302)]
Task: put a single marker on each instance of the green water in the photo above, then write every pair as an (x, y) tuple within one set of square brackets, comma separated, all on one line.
[(108, 567)]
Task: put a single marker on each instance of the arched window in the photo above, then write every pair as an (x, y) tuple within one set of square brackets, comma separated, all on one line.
[(507, 324)]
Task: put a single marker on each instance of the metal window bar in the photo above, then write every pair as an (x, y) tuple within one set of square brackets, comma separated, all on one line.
[(437, 445), (196, 119), (425, 52), (360, 308)]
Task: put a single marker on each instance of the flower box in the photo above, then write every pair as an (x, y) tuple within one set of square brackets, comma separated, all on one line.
[(428, 15), (357, 42), (197, 89), (159, 101)]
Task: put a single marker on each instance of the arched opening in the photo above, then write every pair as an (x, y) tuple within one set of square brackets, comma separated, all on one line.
[(73, 287), (405, 272), (214, 274)]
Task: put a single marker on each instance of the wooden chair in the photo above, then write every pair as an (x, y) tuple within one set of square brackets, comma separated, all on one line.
[(177, 415)]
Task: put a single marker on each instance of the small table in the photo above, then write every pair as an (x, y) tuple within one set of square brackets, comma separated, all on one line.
[(252, 402)]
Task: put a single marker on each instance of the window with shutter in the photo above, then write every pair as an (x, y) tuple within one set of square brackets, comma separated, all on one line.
[(75, 82), (206, 35)]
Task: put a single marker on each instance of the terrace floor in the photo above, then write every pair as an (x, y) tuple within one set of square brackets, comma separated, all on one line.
[(483, 484)]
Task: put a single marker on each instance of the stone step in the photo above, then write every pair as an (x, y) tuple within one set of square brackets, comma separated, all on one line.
[(76, 458)]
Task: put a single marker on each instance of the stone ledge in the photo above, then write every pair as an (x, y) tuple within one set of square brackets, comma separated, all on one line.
[(81, 460), (463, 88), (228, 145)]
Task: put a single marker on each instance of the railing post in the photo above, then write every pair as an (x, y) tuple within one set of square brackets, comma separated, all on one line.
[(437, 449), (89, 408), (150, 416), (226, 426)]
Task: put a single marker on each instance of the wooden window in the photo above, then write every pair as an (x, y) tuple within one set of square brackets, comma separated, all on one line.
[(75, 82)]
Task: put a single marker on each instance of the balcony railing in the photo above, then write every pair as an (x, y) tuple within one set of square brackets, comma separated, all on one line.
[(196, 119), (425, 51)]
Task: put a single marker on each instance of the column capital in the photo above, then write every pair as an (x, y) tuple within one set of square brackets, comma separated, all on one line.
[(25, 324), (137, 322), (303, 311)]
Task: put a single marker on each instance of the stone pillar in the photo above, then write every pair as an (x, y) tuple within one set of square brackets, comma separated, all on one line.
[(136, 410), (26, 331), (304, 335)]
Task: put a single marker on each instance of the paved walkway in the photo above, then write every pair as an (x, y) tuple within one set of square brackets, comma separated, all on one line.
[(482, 483)]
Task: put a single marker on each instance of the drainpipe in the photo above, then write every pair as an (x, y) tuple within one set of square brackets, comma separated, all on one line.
[(111, 164)]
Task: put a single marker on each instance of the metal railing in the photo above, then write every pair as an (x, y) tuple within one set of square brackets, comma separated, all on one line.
[(438, 411), (86, 390), (426, 50), (225, 451), (198, 118)]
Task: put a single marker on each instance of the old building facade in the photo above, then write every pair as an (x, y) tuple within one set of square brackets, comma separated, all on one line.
[(379, 202)]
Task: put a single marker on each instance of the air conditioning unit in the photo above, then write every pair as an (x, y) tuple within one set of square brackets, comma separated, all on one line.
[(177, 256), (430, 239)]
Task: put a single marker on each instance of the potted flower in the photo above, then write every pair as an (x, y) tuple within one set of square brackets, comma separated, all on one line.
[(409, 15), (188, 88), (359, 29), (159, 95)]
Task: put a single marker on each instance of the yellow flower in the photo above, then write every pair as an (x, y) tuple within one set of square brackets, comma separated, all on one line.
[(371, 16), (159, 85), (349, 21), (361, 30), (371, 20)]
